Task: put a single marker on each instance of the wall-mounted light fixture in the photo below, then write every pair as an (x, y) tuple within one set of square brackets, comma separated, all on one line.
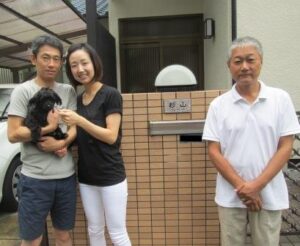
[(209, 28)]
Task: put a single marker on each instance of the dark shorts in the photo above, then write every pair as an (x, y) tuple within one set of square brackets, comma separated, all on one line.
[(38, 197)]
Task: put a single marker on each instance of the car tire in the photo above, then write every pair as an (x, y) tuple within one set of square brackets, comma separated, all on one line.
[(10, 199)]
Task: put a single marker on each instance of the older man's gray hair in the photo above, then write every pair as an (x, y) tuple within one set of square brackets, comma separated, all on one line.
[(243, 42)]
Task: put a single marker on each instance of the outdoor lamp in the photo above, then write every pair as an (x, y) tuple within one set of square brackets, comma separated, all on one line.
[(209, 28)]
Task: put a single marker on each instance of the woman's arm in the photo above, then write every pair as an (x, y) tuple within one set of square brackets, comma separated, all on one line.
[(108, 135)]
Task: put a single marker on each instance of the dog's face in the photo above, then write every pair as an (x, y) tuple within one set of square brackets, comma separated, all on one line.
[(38, 108), (44, 100)]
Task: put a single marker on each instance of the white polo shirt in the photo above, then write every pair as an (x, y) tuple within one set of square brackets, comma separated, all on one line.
[(249, 135)]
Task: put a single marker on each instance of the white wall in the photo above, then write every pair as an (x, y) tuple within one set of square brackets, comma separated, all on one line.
[(277, 25), (145, 8), (217, 75)]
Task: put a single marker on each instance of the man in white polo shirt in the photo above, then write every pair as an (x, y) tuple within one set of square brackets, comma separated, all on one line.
[(250, 132)]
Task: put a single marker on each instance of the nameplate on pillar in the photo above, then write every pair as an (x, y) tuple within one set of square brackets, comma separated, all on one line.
[(177, 106)]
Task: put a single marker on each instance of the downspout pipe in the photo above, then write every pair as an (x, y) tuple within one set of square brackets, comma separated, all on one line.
[(233, 24), (233, 20)]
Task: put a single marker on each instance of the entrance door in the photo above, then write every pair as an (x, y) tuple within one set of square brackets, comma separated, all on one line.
[(144, 53)]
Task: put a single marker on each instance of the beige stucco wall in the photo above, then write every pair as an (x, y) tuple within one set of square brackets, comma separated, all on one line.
[(145, 8), (277, 25), (215, 50)]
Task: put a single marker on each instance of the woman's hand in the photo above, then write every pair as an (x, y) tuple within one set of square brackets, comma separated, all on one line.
[(53, 119), (69, 117)]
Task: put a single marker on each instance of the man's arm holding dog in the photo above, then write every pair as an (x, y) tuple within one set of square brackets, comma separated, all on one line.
[(50, 144), (17, 132)]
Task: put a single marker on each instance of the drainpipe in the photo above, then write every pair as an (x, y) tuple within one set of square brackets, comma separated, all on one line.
[(233, 19), (233, 24)]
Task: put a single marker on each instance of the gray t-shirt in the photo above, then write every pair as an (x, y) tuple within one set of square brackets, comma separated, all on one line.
[(36, 163)]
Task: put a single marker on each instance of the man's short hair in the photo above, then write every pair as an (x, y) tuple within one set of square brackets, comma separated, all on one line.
[(40, 41), (243, 42)]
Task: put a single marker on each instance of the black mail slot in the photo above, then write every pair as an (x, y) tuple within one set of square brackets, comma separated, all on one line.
[(191, 137)]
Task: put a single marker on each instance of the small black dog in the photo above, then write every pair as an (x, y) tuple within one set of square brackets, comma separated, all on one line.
[(37, 111)]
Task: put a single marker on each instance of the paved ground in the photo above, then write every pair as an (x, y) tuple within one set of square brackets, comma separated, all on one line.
[(8, 229), (9, 233), (284, 241)]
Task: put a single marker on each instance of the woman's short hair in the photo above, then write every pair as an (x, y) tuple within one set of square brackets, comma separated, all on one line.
[(96, 60)]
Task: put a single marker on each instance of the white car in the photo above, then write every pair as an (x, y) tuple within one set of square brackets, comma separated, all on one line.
[(10, 163)]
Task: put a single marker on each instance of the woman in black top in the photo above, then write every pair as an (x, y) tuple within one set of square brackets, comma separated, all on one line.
[(101, 172)]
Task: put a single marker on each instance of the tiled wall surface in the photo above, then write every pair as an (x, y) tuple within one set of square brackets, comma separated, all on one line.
[(171, 183)]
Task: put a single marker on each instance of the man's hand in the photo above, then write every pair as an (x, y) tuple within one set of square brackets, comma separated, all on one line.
[(249, 195), (253, 205), (61, 152), (50, 144)]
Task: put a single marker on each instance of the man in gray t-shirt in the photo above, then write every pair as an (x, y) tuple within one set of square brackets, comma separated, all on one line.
[(47, 183)]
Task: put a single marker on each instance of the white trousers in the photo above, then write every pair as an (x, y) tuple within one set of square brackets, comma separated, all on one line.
[(106, 205)]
